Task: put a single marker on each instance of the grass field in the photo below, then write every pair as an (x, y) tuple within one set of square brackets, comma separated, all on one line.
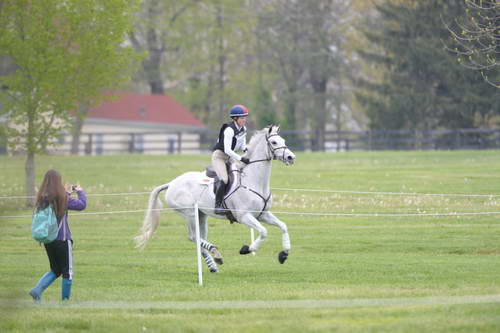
[(349, 269)]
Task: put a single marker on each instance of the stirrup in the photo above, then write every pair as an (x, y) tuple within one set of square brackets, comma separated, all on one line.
[(220, 210)]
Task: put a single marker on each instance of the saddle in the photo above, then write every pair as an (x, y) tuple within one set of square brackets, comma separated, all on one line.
[(210, 172), (231, 170)]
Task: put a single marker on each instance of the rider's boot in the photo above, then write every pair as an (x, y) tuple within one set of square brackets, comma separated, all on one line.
[(219, 196)]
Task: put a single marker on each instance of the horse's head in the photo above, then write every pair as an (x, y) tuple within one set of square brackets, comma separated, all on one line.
[(277, 146)]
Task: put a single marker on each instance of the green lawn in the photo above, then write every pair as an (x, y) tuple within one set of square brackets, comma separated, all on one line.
[(355, 272)]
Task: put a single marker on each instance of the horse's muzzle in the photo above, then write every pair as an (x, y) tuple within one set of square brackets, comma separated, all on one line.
[(290, 159)]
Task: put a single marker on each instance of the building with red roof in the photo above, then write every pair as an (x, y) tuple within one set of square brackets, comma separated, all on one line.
[(139, 123), (141, 111)]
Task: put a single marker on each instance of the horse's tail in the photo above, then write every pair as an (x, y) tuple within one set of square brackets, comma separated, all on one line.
[(152, 218)]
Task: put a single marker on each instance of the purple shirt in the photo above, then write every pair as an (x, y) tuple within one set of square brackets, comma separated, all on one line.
[(73, 204)]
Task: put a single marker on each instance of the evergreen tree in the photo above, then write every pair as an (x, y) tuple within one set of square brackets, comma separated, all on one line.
[(265, 112), (423, 86)]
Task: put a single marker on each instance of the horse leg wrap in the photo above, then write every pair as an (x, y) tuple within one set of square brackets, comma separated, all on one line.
[(213, 249), (212, 266), (206, 245), (286, 242)]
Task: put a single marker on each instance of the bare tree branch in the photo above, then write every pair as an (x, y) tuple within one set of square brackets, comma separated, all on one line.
[(477, 38)]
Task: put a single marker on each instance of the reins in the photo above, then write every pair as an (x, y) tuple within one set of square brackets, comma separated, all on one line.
[(271, 150), (266, 200), (255, 161)]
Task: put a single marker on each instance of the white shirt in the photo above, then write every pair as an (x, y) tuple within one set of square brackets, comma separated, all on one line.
[(241, 142)]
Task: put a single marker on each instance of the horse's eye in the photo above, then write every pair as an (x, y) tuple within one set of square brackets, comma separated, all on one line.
[(273, 143)]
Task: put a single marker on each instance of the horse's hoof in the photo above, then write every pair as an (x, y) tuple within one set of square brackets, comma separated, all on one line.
[(245, 249), (282, 256), (217, 256)]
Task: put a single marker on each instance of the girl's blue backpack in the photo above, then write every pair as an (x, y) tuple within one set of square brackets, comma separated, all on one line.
[(44, 227)]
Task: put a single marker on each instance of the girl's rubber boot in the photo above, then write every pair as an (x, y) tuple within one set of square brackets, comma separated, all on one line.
[(43, 284), (66, 289)]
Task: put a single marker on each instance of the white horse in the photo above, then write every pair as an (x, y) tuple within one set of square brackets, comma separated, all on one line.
[(248, 198)]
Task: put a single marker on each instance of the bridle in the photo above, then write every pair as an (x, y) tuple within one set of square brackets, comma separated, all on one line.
[(284, 147), (273, 157), (271, 150)]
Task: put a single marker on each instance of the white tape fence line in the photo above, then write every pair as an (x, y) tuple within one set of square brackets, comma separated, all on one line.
[(302, 190), (315, 214)]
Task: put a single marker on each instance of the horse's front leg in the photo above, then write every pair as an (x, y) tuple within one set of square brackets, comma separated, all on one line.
[(269, 218), (250, 221)]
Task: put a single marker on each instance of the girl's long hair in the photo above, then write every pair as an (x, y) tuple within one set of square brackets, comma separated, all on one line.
[(52, 192)]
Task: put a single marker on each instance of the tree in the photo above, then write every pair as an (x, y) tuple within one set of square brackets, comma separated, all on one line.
[(156, 33), (281, 58), (214, 67), (65, 54), (477, 38), (422, 88), (279, 30), (265, 112), (304, 39), (325, 61)]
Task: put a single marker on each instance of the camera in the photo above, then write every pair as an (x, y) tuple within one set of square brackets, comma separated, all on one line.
[(73, 188)]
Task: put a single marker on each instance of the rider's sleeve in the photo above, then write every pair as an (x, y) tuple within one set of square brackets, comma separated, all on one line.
[(228, 140)]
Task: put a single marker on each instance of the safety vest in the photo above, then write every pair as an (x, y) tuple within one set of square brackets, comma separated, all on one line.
[(220, 141)]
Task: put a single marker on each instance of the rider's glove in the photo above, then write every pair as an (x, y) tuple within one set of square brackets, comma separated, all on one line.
[(245, 160)]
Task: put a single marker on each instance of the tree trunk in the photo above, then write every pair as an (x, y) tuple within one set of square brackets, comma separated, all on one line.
[(29, 169), (338, 106), (209, 115), (221, 59), (155, 47), (290, 119), (321, 112), (152, 64), (290, 110), (76, 131)]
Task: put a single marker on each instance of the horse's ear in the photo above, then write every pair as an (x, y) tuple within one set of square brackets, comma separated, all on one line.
[(277, 129), (270, 128)]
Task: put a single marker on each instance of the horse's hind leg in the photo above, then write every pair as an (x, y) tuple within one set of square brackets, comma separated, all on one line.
[(204, 236), (209, 260), (205, 245), (212, 266)]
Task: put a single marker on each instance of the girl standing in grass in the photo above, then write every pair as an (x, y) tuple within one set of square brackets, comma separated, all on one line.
[(52, 192)]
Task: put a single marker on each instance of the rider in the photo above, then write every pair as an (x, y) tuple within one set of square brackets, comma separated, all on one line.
[(232, 137)]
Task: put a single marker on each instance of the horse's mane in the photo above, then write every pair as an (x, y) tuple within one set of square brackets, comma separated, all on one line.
[(257, 137)]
